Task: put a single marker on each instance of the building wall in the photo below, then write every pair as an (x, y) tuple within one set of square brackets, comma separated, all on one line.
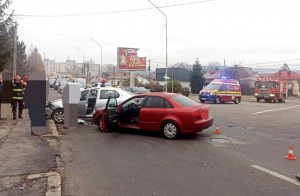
[(295, 86)]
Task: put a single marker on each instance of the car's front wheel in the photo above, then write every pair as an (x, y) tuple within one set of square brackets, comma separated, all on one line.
[(170, 130), (217, 100), (58, 116)]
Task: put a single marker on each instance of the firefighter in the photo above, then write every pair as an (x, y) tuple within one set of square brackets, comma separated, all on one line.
[(17, 97), (24, 81), (103, 82)]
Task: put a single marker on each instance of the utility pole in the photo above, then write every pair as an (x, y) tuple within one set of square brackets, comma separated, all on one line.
[(100, 72), (15, 51), (166, 75), (149, 69)]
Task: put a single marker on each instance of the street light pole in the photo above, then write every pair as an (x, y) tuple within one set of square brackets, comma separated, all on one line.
[(100, 74), (166, 75)]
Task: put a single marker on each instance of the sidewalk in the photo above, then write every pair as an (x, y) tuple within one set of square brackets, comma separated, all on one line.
[(21, 155)]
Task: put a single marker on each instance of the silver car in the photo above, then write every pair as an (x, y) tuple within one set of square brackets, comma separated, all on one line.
[(90, 100)]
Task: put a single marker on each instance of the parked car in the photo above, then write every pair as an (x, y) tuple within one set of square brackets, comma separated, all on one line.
[(136, 90), (52, 82), (82, 81), (62, 85), (90, 100), (169, 113)]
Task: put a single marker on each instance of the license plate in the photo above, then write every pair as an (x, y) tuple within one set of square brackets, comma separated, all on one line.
[(203, 98)]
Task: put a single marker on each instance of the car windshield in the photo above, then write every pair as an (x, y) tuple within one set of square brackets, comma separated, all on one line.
[(184, 101), (213, 86), (265, 84)]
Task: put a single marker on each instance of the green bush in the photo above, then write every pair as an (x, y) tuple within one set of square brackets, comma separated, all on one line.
[(177, 87)]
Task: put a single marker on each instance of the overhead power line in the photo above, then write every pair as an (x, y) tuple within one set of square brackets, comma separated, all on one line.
[(108, 12), (272, 62)]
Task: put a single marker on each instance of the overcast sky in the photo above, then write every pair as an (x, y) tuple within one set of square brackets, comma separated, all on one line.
[(240, 31)]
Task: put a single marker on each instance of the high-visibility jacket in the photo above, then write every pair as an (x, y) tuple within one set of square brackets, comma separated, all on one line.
[(18, 91)]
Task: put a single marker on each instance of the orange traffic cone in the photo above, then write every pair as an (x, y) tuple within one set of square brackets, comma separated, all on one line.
[(290, 155), (217, 130)]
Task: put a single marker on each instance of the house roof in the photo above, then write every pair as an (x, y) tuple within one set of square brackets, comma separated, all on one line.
[(214, 75), (285, 75)]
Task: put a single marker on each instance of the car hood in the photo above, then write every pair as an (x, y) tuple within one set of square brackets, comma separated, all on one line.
[(57, 103)]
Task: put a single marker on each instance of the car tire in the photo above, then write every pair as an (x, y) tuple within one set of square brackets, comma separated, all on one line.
[(99, 123), (236, 100), (58, 116), (170, 130), (217, 100), (202, 101)]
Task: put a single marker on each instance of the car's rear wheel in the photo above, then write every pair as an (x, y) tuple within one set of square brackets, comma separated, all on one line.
[(170, 130), (236, 100), (202, 101), (58, 116)]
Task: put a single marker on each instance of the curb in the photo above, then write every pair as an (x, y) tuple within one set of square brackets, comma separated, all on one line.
[(53, 182), (54, 178)]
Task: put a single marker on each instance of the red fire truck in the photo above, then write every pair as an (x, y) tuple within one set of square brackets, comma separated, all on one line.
[(270, 90)]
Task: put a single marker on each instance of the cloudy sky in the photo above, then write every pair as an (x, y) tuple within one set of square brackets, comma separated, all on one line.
[(249, 32)]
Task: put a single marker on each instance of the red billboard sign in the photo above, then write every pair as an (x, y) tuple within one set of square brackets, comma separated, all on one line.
[(128, 59)]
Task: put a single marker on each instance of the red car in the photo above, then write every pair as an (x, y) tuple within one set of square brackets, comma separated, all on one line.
[(169, 113)]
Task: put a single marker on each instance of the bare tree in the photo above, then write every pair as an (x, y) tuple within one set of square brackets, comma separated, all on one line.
[(34, 61)]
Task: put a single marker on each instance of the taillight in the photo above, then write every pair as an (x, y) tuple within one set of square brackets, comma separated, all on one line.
[(197, 115)]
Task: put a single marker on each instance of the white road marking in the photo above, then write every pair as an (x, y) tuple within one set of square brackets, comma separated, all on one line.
[(277, 175), (276, 109)]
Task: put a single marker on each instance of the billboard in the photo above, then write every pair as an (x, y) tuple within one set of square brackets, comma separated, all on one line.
[(128, 59)]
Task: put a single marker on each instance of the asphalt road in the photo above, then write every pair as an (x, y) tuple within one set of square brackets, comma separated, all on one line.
[(138, 163)]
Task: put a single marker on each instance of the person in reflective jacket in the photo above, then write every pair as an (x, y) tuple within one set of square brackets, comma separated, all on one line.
[(17, 97)]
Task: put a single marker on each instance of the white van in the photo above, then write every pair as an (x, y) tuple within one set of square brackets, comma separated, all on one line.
[(82, 81)]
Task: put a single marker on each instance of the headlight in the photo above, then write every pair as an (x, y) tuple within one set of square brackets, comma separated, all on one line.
[(256, 94), (272, 95)]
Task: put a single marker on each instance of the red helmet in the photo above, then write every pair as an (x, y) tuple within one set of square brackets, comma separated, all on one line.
[(25, 77), (17, 77)]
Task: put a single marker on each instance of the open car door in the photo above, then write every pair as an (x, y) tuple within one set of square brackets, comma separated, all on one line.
[(110, 114)]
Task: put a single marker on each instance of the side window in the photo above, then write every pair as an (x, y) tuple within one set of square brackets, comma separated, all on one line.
[(94, 85), (228, 88), (109, 93), (154, 102), (93, 93), (223, 87), (83, 95), (116, 94), (112, 104), (167, 104)]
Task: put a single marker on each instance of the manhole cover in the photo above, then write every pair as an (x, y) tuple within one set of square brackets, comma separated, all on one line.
[(222, 141)]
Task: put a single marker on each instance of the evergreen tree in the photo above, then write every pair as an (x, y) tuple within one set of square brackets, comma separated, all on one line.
[(6, 49), (35, 62), (21, 58), (196, 79)]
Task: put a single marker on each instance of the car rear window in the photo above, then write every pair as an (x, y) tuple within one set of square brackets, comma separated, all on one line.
[(184, 101)]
